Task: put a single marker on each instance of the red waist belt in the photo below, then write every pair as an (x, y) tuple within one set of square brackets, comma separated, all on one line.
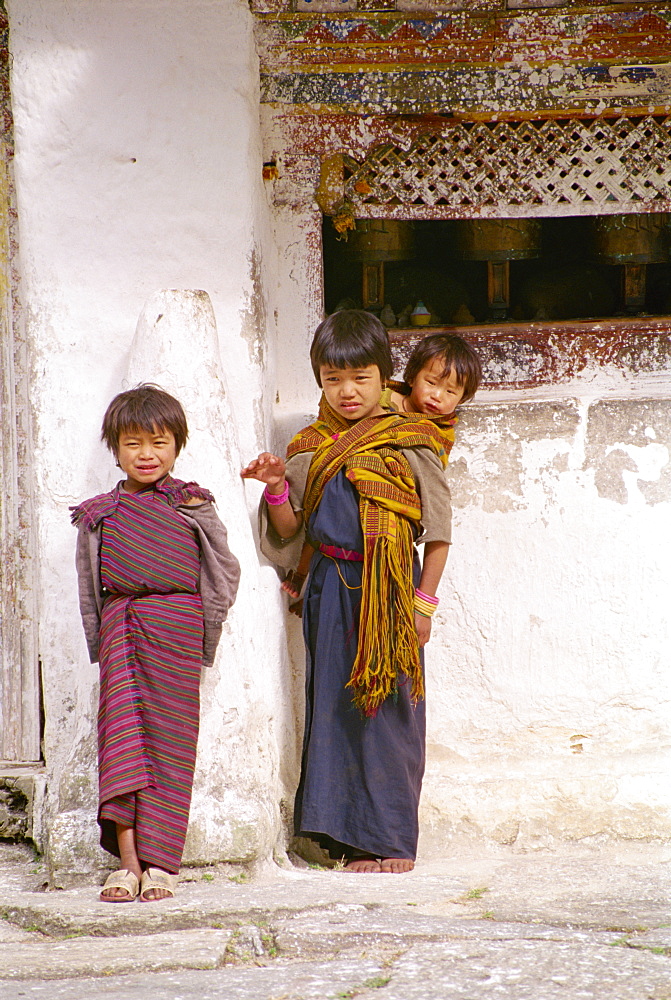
[(337, 553)]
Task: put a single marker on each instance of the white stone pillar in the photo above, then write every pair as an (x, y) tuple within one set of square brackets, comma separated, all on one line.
[(235, 808)]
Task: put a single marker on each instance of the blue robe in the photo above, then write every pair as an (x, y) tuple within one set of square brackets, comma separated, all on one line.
[(361, 778)]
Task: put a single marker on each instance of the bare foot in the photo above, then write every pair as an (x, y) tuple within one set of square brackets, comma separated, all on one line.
[(396, 866), (115, 894), (363, 865), (151, 895)]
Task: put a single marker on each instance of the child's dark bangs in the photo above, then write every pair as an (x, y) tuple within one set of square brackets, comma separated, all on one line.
[(347, 355), (466, 370), (137, 428), (351, 338), (145, 408), (150, 415)]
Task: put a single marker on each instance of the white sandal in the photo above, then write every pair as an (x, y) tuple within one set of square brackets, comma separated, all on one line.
[(156, 878), (121, 879)]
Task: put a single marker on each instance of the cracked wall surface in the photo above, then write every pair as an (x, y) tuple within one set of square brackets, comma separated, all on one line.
[(549, 698), (136, 171), (628, 448), (548, 684)]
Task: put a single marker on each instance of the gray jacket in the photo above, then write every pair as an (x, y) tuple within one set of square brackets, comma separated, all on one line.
[(219, 577)]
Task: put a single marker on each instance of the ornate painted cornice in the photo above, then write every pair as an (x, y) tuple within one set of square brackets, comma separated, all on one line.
[(478, 61)]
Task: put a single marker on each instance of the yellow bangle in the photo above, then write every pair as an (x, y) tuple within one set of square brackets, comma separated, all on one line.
[(424, 606)]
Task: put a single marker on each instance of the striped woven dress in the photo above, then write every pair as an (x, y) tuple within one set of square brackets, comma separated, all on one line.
[(151, 647)]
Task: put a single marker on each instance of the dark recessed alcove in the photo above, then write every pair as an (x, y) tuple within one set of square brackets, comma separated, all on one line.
[(569, 268)]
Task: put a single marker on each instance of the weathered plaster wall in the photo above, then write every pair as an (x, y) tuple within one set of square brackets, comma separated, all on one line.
[(549, 701), (549, 691), (138, 168)]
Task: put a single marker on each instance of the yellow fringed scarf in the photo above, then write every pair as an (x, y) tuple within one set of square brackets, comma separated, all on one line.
[(389, 506)]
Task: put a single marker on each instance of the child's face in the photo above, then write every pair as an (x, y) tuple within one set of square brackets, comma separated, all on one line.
[(146, 457), (433, 392), (354, 393)]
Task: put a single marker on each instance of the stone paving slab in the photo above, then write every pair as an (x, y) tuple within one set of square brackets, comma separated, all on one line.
[(340, 932), (658, 940), (9, 932), (299, 981), (595, 893), (575, 892), (347, 929), (528, 970), (201, 903), (592, 926), (84, 956), (512, 970)]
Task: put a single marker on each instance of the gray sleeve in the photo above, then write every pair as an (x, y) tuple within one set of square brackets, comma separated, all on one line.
[(285, 552), (434, 494), (88, 580), (219, 573)]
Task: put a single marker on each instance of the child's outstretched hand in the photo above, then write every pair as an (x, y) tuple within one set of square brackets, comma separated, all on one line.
[(267, 468), (271, 470)]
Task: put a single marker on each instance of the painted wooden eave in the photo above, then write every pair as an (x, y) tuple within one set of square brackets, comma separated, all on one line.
[(529, 355), (440, 7), (487, 62)]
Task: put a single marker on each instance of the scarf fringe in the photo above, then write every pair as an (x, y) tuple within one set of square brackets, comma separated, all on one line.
[(387, 635), (371, 452)]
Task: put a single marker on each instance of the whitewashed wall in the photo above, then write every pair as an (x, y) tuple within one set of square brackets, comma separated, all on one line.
[(548, 673), (138, 168), (549, 686)]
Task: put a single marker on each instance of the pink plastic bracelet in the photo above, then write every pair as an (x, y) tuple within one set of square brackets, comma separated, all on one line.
[(425, 597), (275, 499)]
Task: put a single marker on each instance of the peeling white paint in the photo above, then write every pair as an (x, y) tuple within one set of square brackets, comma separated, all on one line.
[(553, 619), (649, 461), (138, 169)]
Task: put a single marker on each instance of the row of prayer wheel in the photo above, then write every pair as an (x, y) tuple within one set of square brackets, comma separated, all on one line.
[(631, 241)]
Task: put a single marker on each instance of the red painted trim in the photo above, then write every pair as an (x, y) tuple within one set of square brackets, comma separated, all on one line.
[(525, 355)]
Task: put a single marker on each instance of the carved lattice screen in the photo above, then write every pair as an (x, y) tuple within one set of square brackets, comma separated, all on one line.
[(518, 168)]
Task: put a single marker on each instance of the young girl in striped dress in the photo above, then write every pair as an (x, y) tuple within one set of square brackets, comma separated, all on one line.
[(156, 580)]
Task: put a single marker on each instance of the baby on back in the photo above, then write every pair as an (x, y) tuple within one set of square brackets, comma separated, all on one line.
[(442, 372)]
